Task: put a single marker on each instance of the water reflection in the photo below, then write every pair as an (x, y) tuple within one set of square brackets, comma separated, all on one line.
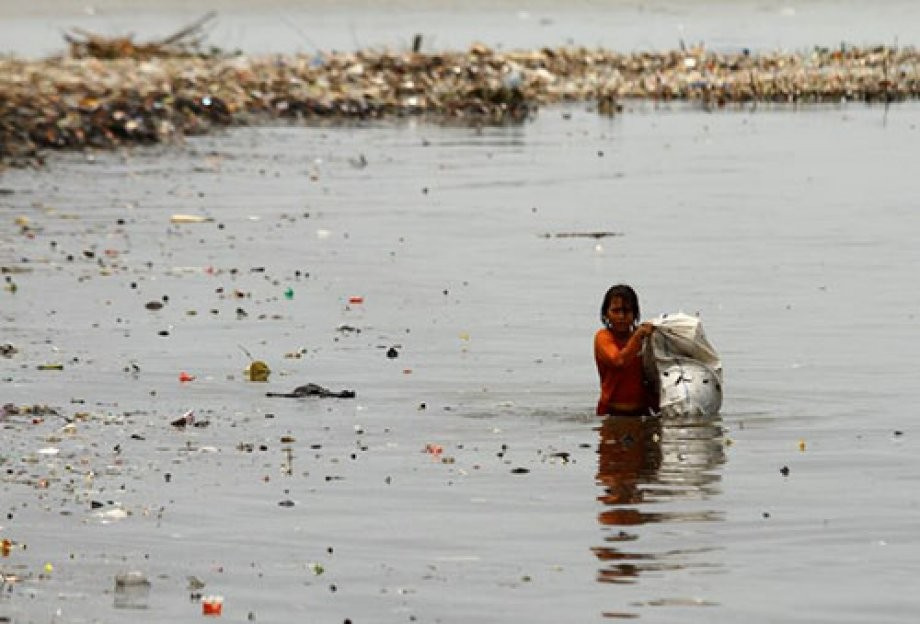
[(651, 472)]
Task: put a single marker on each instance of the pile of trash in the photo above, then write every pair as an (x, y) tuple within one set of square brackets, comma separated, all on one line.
[(109, 92)]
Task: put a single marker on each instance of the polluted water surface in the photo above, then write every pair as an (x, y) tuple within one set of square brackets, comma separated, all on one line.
[(467, 478)]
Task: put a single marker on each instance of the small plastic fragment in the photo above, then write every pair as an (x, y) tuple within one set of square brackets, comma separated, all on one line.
[(185, 377), (257, 371), (212, 605), (186, 419), (188, 218), (356, 299), (316, 568)]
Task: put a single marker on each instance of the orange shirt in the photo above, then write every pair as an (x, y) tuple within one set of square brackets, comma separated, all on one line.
[(621, 386)]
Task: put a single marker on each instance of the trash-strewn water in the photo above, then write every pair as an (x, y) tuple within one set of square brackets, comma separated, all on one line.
[(469, 480), (790, 231)]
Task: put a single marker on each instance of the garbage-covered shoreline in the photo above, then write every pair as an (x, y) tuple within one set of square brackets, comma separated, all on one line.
[(76, 103)]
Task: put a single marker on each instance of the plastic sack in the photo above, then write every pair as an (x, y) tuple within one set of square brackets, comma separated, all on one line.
[(684, 367)]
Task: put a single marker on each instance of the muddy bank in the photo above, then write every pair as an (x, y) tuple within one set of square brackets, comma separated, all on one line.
[(78, 103)]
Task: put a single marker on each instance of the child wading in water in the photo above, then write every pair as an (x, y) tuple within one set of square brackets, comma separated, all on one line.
[(616, 351)]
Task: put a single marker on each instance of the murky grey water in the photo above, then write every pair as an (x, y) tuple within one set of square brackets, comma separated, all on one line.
[(791, 232)]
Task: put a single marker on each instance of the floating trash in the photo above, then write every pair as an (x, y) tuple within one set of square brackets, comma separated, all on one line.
[(185, 218), (113, 92), (188, 418), (257, 371), (212, 605), (132, 590), (312, 389)]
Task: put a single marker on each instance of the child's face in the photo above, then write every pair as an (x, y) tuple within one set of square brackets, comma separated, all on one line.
[(620, 316)]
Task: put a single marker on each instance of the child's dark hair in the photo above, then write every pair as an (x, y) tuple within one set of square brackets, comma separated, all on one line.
[(624, 292)]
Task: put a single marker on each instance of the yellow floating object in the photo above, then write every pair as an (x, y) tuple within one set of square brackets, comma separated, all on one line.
[(802, 445), (258, 371), (187, 218)]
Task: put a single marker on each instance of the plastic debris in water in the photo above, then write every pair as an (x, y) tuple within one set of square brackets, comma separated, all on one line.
[(802, 445), (258, 371), (212, 605), (185, 377), (356, 299), (132, 590), (289, 293), (186, 419), (187, 218)]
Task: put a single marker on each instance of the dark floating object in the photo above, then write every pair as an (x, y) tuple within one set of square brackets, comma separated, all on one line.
[(188, 418), (154, 305), (597, 235), (312, 389), (392, 353), (784, 471), (520, 470)]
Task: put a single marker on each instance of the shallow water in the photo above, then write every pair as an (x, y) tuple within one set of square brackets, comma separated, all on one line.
[(790, 231)]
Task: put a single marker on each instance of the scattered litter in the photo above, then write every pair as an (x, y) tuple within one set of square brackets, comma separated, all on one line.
[(784, 471), (257, 371), (187, 218), (188, 418), (212, 605), (117, 92), (356, 299), (316, 568), (596, 235), (127, 579), (312, 389)]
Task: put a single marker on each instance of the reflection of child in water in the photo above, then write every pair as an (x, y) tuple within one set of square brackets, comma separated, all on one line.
[(616, 351), (628, 455)]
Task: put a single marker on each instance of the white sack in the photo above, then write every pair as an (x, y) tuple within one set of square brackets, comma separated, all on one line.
[(685, 366)]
